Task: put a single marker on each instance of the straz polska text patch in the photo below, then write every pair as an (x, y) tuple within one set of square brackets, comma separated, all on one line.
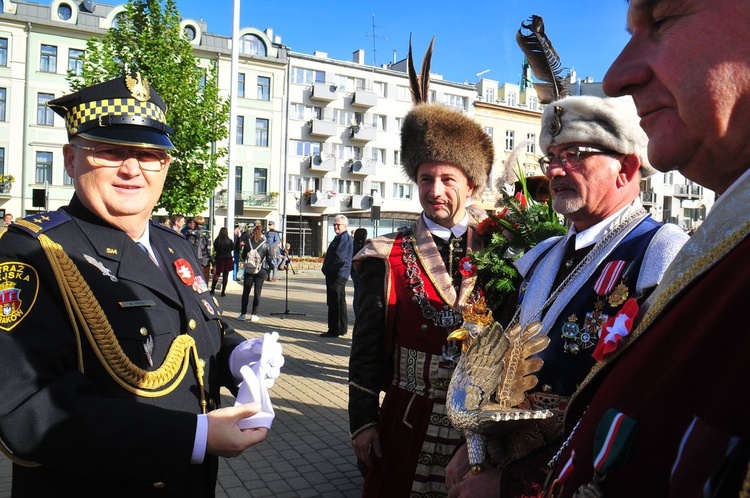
[(19, 285)]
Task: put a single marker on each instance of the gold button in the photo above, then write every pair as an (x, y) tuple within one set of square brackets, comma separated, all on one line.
[(192, 324), (144, 331), (160, 485)]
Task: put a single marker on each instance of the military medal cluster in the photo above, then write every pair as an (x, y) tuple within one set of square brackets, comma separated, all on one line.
[(609, 285)]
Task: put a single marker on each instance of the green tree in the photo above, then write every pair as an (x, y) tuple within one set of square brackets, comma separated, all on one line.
[(148, 38)]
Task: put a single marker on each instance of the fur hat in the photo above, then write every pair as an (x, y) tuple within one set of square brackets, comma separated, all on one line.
[(435, 133), (609, 123)]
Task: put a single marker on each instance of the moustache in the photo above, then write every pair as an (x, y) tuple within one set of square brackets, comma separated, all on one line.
[(561, 184)]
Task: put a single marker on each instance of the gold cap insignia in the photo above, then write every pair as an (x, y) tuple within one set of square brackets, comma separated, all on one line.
[(138, 87)]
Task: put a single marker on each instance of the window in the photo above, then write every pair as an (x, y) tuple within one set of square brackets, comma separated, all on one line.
[(240, 130), (305, 112), (303, 183), (381, 89), (349, 83), (489, 94), (396, 157), (261, 132), (189, 32), (260, 181), (64, 12), (67, 179), (238, 179), (378, 155), (2, 160), (401, 191), (264, 88), (378, 122), (302, 76), (531, 143), (3, 100), (3, 51), (455, 101), (241, 85), (44, 115), (43, 167), (252, 45), (302, 148), (48, 59), (511, 99), (403, 93), (75, 61), (345, 118), (346, 152), (377, 188), (432, 96), (510, 139), (533, 103), (351, 187), (489, 131), (399, 122)]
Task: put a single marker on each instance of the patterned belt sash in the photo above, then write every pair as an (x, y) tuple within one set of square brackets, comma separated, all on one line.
[(421, 373)]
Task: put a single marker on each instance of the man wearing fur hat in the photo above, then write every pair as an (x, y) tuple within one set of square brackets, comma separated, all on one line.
[(412, 287), (112, 349), (581, 285)]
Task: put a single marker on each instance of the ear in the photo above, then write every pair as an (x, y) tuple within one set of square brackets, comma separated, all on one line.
[(630, 166), (68, 156)]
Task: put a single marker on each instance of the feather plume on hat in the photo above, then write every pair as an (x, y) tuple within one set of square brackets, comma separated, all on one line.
[(433, 133), (544, 61)]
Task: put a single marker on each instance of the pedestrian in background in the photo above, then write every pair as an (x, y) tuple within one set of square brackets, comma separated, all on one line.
[(336, 268), (200, 239), (254, 282), (274, 242), (223, 249), (177, 222)]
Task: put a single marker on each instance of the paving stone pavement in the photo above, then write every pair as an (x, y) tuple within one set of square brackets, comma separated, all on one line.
[(307, 452)]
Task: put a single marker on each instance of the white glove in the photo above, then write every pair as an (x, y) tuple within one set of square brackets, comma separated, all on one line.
[(258, 376)]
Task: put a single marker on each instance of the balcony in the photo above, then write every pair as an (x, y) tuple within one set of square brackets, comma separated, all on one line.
[(5, 188), (324, 92), (359, 201), (363, 134), (322, 199), (364, 99), (249, 200), (362, 168), (687, 191), (322, 128), (649, 198), (322, 162)]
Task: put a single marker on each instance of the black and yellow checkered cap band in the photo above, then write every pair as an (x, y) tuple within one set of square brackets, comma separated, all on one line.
[(103, 113)]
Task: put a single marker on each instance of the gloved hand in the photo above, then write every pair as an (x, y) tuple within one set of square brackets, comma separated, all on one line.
[(258, 362)]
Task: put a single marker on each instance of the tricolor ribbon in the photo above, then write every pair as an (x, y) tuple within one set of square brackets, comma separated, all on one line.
[(609, 278), (614, 437)]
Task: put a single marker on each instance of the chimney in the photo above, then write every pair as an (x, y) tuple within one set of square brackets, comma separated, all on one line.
[(359, 57)]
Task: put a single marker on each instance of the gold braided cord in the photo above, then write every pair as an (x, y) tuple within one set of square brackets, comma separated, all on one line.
[(81, 304), (665, 297)]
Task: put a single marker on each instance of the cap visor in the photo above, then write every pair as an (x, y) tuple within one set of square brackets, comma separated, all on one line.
[(138, 136)]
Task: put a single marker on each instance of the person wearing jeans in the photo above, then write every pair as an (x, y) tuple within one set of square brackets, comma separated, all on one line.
[(255, 282)]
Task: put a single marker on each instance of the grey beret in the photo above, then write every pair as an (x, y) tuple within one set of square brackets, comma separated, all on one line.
[(610, 123)]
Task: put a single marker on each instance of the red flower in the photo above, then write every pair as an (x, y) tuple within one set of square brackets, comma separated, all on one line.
[(466, 267), (488, 225), (615, 329), (521, 199)]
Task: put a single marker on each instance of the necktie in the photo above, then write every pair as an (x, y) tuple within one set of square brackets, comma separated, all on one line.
[(151, 256)]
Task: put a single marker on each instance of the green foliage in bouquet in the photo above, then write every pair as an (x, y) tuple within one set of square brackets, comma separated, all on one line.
[(507, 236)]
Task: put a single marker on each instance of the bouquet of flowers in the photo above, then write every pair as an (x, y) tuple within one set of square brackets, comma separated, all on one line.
[(522, 224)]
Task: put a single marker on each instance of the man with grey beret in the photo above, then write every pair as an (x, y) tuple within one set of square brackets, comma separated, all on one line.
[(578, 285)]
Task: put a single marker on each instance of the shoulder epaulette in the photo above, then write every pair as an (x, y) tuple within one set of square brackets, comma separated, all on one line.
[(36, 224)]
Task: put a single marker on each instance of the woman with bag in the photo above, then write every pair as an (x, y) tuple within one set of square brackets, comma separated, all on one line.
[(257, 257), (223, 247)]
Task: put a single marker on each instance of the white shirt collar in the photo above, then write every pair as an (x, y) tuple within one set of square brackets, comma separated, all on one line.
[(145, 240), (594, 234), (444, 233)]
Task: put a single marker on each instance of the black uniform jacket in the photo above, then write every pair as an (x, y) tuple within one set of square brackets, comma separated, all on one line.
[(89, 435)]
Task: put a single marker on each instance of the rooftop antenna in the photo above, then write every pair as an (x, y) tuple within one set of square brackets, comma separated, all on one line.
[(374, 36)]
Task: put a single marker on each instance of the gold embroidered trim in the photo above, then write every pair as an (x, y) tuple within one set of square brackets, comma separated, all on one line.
[(83, 308)]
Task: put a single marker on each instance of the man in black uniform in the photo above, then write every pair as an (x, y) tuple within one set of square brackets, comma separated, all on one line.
[(112, 350)]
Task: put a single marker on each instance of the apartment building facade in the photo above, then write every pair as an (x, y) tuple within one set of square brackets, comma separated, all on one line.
[(315, 136)]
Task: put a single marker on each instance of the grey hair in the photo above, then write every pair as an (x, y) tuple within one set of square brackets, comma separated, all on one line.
[(341, 217)]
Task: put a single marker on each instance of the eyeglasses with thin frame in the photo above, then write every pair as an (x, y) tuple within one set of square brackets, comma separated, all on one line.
[(569, 158), (112, 156)]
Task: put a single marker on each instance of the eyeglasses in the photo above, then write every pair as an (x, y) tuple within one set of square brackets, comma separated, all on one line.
[(112, 156), (569, 158)]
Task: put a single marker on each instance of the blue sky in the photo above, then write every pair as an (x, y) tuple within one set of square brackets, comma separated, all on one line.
[(470, 36)]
